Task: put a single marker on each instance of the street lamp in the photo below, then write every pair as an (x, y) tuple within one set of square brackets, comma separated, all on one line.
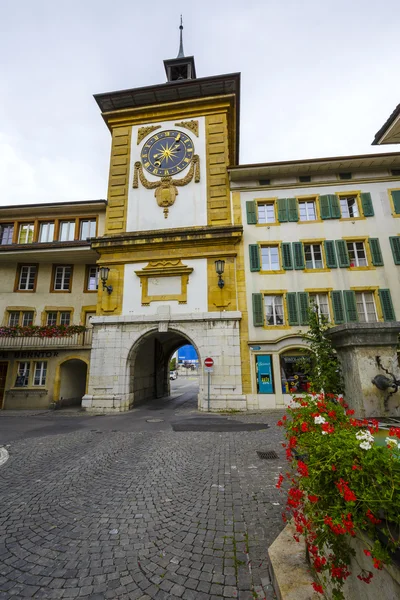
[(219, 267), (104, 271)]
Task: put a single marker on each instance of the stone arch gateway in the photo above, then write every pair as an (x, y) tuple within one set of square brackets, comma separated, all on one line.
[(129, 359)]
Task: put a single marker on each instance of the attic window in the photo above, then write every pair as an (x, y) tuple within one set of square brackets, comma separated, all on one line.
[(264, 182), (305, 178), (396, 172), (345, 175)]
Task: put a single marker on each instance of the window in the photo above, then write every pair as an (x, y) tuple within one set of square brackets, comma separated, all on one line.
[(6, 233), (58, 317), (25, 235), (321, 301), (87, 229), (357, 254), (92, 278), (349, 207), (46, 232), (39, 377), (313, 256), (18, 317), (307, 211), (274, 310), (266, 213), (366, 309), (62, 278), (292, 373), (27, 278), (67, 231), (270, 258), (22, 374)]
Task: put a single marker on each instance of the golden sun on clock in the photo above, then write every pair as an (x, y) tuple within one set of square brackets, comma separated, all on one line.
[(167, 153)]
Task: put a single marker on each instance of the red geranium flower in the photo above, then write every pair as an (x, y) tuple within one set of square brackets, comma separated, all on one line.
[(318, 588)]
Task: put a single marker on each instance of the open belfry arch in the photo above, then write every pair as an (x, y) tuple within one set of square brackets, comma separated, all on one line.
[(169, 218)]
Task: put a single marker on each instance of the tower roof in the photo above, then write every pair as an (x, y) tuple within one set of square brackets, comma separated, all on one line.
[(181, 53), (182, 67)]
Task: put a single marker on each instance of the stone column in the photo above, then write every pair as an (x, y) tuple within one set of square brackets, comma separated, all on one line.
[(358, 345)]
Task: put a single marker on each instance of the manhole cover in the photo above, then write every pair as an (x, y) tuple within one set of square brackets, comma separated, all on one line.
[(269, 454), (154, 420)]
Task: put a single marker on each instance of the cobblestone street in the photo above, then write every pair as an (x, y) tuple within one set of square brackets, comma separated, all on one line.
[(109, 511)]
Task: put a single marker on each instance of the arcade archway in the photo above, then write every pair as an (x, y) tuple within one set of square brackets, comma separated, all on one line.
[(148, 364)]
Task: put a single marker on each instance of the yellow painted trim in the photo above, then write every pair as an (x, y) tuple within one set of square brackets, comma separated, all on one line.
[(57, 378), (313, 240), (273, 201), (277, 243), (357, 194), (365, 240), (225, 298), (218, 152), (9, 309), (85, 310), (321, 242), (326, 291), (312, 198), (390, 190), (165, 268), (316, 270)]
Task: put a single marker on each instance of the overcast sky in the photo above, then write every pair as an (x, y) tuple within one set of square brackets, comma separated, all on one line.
[(319, 78)]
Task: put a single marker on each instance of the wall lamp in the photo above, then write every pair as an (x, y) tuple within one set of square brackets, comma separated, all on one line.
[(219, 267), (104, 271)]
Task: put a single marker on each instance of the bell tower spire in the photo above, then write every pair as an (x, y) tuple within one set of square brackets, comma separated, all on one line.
[(181, 67), (181, 53)]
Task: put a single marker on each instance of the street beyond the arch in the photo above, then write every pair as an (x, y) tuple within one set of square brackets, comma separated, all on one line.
[(160, 502)]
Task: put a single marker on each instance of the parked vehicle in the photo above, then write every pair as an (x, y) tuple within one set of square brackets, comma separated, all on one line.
[(173, 375)]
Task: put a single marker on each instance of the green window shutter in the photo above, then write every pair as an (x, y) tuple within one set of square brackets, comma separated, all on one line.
[(350, 306), (376, 253), (304, 306), (395, 245), (298, 255), (367, 206), (396, 201), (291, 298), (335, 206), (287, 261), (293, 213), (338, 307), (254, 257), (343, 255), (251, 211), (387, 305), (330, 254), (258, 313), (282, 210), (325, 207)]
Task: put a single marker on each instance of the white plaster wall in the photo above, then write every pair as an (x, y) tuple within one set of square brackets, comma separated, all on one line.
[(190, 207), (196, 290), (382, 225)]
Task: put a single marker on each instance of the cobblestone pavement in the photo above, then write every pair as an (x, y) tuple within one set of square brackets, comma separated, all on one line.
[(152, 514)]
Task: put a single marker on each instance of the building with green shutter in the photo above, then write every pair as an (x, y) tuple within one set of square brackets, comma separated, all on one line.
[(322, 232)]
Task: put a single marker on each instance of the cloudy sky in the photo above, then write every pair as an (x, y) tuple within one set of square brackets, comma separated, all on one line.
[(319, 78)]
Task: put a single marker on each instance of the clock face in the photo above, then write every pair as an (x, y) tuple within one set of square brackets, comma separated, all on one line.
[(167, 153)]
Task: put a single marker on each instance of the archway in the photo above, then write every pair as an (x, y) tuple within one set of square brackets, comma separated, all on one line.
[(149, 364), (71, 382)]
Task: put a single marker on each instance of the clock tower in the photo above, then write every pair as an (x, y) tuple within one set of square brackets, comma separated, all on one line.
[(169, 219)]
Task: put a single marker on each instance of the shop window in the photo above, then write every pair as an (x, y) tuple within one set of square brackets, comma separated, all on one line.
[(292, 373), (22, 379), (40, 372)]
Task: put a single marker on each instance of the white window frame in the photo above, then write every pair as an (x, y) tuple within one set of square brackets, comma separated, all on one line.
[(345, 209), (62, 317), (24, 317), (9, 228), (25, 372), (51, 312), (306, 203), (313, 259), (40, 373), (28, 270), (63, 278), (12, 316), (91, 276), (364, 304), (48, 227), (29, 228), (357, 259), (70, 228), (315, 299), (274, 305), (268, 265), (92, 225), (262, 213)]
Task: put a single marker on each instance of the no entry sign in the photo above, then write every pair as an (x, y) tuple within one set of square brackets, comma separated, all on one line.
[(209, 362)]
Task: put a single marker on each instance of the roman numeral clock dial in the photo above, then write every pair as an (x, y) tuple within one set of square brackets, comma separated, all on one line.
[(167, 153)]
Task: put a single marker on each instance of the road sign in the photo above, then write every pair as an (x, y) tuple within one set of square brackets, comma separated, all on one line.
[(209, 362)]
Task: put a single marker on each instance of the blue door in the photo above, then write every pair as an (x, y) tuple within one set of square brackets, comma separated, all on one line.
[(264, 374)]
